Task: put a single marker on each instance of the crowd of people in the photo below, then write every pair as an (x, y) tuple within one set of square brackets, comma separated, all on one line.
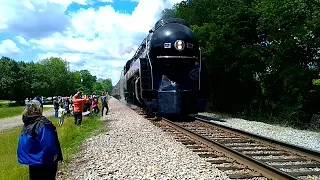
[(80, 105), (38, 145)]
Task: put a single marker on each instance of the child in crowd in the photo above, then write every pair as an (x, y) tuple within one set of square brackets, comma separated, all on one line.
[(61, 114)]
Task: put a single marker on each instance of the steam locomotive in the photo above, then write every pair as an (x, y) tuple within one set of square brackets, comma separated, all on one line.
[(166, 75)]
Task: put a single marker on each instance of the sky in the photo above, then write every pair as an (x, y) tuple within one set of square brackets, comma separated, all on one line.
[(96, 35)]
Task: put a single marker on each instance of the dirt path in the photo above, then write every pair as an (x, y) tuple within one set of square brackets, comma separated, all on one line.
[(11, 122)]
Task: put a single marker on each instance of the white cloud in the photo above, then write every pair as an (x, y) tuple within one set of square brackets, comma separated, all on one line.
[(68, 2), (100, 40), (22, 40), (29, 5), (8, 47), (109, 1)]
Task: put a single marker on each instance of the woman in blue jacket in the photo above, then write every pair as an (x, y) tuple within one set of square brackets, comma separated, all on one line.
[(38, 144)]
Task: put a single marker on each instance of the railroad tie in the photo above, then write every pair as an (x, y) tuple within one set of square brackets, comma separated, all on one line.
[(240, 176)]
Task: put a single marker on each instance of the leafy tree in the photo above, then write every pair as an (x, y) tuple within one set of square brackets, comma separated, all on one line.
[(262, 56), (87, 81), (168, 13), (50, 77), (105, 85)]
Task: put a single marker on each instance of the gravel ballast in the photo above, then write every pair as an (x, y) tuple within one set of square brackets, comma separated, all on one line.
[(303, 138), (133, 148)]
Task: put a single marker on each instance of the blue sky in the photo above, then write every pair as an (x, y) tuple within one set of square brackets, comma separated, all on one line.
[(97, 35), (123, 6)]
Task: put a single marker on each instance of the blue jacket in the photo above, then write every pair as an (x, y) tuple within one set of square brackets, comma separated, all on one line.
[(38, 142)]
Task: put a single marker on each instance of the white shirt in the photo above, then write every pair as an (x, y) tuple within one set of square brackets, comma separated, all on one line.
[(61, 112)]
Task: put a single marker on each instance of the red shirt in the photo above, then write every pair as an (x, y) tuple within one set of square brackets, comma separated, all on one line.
[(78, 104)]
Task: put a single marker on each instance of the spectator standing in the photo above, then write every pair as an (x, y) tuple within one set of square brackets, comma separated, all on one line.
[(104, 102), (71, 105), (95, 105), (78, 107), (63, 101), (56, 107), (38, 145), (88, 104), (38, 98), (107, 101), (67, 104), (61, 114)]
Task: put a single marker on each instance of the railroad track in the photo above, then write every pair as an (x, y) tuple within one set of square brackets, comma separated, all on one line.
[(243, 155)]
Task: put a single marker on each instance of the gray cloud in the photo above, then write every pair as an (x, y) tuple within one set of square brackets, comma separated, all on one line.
[(39, 22), (79, 63)]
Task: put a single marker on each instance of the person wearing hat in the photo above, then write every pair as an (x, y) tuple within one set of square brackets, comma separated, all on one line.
[(38, 145)]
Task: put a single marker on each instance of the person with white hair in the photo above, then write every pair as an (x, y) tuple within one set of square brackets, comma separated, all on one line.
[(38, 145)]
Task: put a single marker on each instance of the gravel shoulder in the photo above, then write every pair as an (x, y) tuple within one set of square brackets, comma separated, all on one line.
[(304, 138), (15, 121), (133, 148)]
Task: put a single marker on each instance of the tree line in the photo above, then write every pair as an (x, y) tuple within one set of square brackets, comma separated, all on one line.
[(262, 55), (50, 77)]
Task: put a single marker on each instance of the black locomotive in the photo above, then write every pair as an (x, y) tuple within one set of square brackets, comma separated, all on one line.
[(166, 74)]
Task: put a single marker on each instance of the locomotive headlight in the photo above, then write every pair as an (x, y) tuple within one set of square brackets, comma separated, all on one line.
[(179, 45)]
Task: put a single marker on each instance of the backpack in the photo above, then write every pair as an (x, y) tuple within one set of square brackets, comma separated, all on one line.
[(39, 144)]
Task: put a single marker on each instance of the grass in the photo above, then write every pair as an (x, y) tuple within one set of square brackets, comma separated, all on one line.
[(14, 111), (6, 101), (70, 137)]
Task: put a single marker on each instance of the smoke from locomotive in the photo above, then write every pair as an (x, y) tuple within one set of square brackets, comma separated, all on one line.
[(118, 89), (166, 75)]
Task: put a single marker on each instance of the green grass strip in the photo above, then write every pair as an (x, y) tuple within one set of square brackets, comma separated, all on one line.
[(70, 137)]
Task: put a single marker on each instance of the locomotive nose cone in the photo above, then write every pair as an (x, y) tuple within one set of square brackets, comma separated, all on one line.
[(167, 33), (170, 33)]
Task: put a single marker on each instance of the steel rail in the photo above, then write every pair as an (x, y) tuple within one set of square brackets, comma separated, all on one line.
[(264, 169), (312, 154)]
